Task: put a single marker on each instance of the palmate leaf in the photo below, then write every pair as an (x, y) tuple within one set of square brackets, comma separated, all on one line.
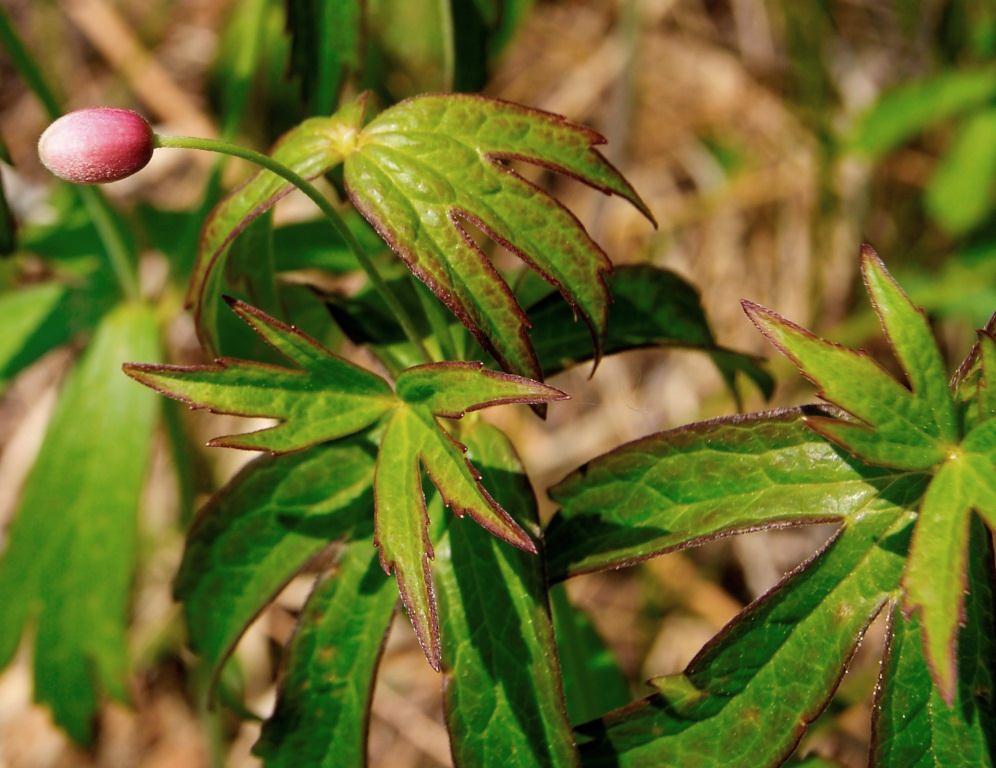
[(777, 664), (67, 566), (429, 171), (898, 427), (326, 398), (913, 428)]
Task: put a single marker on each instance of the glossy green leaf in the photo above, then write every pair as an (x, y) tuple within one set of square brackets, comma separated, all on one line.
[(326, 49), (312, 148), (429, 171), (329, 668), (593, 682), (897, 427), (324, 398), (961, 191), (70, 553), (261, 529), (503, 699), (911, 108), (684, 486), (746, 699), (328, 398), (414, 441), (913, 727), (651, 307)]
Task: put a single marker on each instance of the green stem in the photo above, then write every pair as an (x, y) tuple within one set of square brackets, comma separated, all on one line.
[(108, 228), (112, 237), (337, 222)]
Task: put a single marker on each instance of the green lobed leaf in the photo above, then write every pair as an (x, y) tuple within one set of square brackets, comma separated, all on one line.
[(746, 699), (897, 427), (430, 170), (70, 552), (593, 682), (502, 692), (261, 529), (326, 47), (684, 486), (913, 727), (909, 109), (312, 148), (328, 670), (960, 193), (413, 441), (325, 398)]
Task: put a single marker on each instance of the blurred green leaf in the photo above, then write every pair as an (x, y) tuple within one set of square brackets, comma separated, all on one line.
[(961, 193), (502, 696), (327, 47), (70, 554), (910, 108)]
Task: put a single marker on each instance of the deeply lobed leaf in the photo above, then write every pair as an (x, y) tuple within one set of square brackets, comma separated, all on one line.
[(431, 169), (328, 398), (325, 398)]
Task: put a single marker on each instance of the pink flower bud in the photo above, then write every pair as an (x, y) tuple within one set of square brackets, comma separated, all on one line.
[(95, 146)]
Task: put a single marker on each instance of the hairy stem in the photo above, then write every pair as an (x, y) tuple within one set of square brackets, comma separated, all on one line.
[(337, 222)]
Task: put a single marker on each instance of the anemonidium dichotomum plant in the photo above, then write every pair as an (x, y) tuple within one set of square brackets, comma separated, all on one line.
[(901, 466)]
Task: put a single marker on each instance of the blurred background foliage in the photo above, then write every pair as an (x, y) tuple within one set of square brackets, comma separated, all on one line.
[(769, 137)]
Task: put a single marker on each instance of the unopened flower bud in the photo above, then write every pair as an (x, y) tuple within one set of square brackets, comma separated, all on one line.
[(95, 146)]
